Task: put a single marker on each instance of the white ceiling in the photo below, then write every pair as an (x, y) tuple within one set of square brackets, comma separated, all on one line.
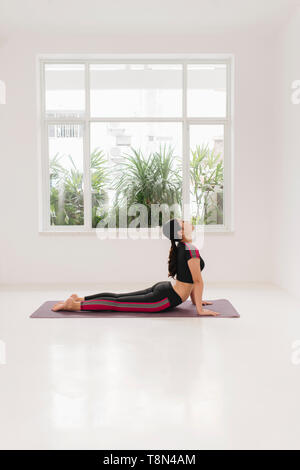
[(141, 16)]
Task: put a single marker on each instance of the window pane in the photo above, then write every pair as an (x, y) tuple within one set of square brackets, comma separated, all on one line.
[(206, 94), (136, 90), (65, 90), (207, 173), (142, 165), (66, 174)]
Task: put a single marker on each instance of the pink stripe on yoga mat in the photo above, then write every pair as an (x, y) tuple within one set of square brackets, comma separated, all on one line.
[(184, 310)]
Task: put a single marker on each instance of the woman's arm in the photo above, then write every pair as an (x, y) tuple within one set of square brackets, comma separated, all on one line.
[(193, 299), (196, 295)]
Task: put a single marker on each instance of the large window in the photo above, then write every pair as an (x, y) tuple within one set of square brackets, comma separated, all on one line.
[(118, 134)]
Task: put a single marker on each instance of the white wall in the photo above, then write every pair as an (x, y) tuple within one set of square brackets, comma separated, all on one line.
[(245, 255), (286, 227)]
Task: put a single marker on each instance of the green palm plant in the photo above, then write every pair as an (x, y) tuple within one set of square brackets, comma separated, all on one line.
[(207, 175), (168, 176), (66, 190), (99, 181), (147, 180), (73, 195), (134, 178), (66, 193), (57, 171)]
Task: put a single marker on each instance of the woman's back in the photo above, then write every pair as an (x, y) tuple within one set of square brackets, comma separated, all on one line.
[(183, 284), (185, 252)]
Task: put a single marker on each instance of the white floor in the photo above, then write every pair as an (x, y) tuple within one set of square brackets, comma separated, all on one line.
[(151, 383)]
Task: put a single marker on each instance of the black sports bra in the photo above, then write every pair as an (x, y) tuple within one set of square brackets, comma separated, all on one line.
[(186, 251)]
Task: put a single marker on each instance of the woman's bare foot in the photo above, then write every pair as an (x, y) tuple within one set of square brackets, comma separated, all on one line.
[(76, 298), (69, 305)]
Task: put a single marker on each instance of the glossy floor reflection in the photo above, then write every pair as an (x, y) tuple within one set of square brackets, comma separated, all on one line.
[(151, 383)]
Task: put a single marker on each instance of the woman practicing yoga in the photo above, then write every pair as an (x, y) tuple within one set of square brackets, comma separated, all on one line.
[(185, 263)]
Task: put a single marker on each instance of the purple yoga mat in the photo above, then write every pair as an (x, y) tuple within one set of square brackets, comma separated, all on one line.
[(186, 309)]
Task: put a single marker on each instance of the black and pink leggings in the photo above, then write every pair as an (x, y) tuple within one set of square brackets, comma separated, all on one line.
[(159, 297)]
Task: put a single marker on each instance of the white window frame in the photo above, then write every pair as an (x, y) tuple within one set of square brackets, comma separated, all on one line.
[(86, 120)]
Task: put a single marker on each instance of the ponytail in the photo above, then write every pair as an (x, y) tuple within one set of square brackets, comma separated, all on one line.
[(172, 263), (170, 230)]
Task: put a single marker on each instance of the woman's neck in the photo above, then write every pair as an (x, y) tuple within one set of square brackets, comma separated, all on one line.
[(186, 240)]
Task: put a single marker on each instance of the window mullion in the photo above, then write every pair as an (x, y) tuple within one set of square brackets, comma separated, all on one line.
[(87, 194), (135, 119), (45, 154), (185, 147), (46, 169)]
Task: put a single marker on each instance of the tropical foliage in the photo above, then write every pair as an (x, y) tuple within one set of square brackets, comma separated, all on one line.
[(99, 181), (66, 193), (152, 179), (155, 178), (66, 190), (207, 174)]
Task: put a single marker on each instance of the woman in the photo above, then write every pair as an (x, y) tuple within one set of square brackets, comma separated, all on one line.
[(185, 263)]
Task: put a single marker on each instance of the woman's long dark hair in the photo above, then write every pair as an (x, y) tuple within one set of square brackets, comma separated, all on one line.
[(170, 230)]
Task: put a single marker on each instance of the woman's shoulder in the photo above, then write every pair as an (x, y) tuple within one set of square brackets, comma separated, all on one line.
[(189, 245), (192, 250)]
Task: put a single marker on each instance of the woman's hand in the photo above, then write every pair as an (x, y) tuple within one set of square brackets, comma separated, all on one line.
[(206, 312), (204, 302)]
